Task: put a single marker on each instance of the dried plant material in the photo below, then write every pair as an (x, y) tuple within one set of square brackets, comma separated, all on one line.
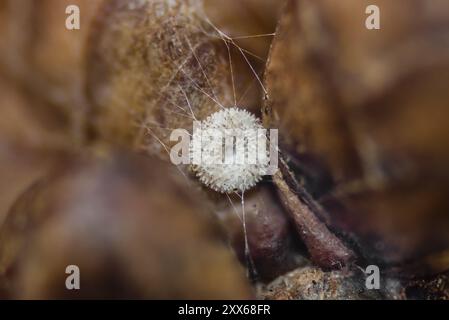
[(310, 283), (15, 36), (436, 288), (20, 127), (127, 235), (369, 112), (30, 143), (326, 250), (48, 60), (19, 168), (58, 54)]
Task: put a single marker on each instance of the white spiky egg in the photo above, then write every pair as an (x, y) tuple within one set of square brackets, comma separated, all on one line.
[(240, 175)]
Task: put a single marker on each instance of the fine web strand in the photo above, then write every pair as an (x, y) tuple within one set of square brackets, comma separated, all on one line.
[(192, 53), (188, 102), (232, 71), (252, 272), (233, 207), (255, 36), (230, 40), (241, 50), (201, 67), (167, 150)]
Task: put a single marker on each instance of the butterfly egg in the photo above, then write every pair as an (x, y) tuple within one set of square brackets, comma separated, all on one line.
[(240, 173)]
